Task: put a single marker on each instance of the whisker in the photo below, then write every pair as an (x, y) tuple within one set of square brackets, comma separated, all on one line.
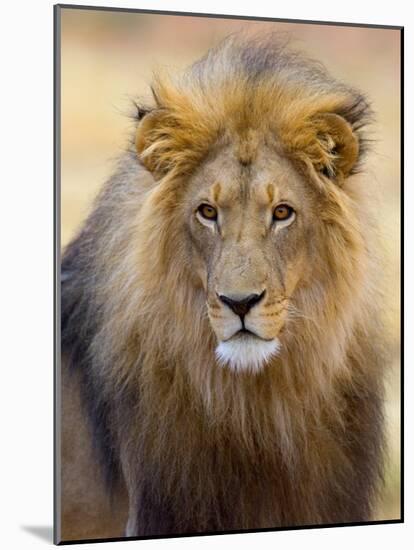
[(295, 313)]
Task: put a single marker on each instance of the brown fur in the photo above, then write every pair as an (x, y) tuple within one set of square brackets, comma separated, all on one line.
[(201, 447), (86, 508)]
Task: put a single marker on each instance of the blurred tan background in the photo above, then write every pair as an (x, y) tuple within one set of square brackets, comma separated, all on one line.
[(107, 60)]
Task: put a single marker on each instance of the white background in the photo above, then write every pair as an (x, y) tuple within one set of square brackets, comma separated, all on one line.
[(26, 304)]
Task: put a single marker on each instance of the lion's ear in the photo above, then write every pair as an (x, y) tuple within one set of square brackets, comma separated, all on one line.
[(173, 140), (336, 150), (148, 135)]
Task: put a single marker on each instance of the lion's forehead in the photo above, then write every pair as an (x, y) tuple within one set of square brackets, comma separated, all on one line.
[(226, 181)]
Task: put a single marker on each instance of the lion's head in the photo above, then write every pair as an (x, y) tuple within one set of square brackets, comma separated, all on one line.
[(250, 159)]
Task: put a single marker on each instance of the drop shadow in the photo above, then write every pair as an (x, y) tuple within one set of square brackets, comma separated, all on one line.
[(43, 532)]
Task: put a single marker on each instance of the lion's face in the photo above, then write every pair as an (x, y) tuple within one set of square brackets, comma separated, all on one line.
[(250, 230)]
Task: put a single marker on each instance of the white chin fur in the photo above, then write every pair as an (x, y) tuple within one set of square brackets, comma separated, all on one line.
[(247, 353)]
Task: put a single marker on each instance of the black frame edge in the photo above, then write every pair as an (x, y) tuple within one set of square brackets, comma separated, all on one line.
[(238, 532), (402, 260), (56, 271)]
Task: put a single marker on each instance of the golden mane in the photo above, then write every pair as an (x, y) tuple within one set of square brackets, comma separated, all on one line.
[(235, 89), (136, 320)]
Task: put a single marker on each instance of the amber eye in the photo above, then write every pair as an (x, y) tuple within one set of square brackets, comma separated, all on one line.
[(282, 212), (208, 212)]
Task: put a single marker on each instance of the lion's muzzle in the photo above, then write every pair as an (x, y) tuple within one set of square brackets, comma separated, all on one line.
[(242, 346)]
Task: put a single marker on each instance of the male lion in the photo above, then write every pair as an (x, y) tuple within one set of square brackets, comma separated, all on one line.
[(220, 317)]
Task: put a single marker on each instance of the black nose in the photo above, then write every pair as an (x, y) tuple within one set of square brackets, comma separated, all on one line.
[(243, 306)]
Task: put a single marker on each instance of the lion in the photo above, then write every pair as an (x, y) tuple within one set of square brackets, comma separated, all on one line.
[(222, 344)]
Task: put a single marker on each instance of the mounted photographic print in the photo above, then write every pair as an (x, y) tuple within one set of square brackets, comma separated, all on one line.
[(228, 274)]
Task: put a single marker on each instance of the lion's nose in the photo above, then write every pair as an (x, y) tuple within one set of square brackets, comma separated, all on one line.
[(241, 306)]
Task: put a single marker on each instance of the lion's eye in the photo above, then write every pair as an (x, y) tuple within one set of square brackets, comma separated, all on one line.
[(282, 212), (208, 212)]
